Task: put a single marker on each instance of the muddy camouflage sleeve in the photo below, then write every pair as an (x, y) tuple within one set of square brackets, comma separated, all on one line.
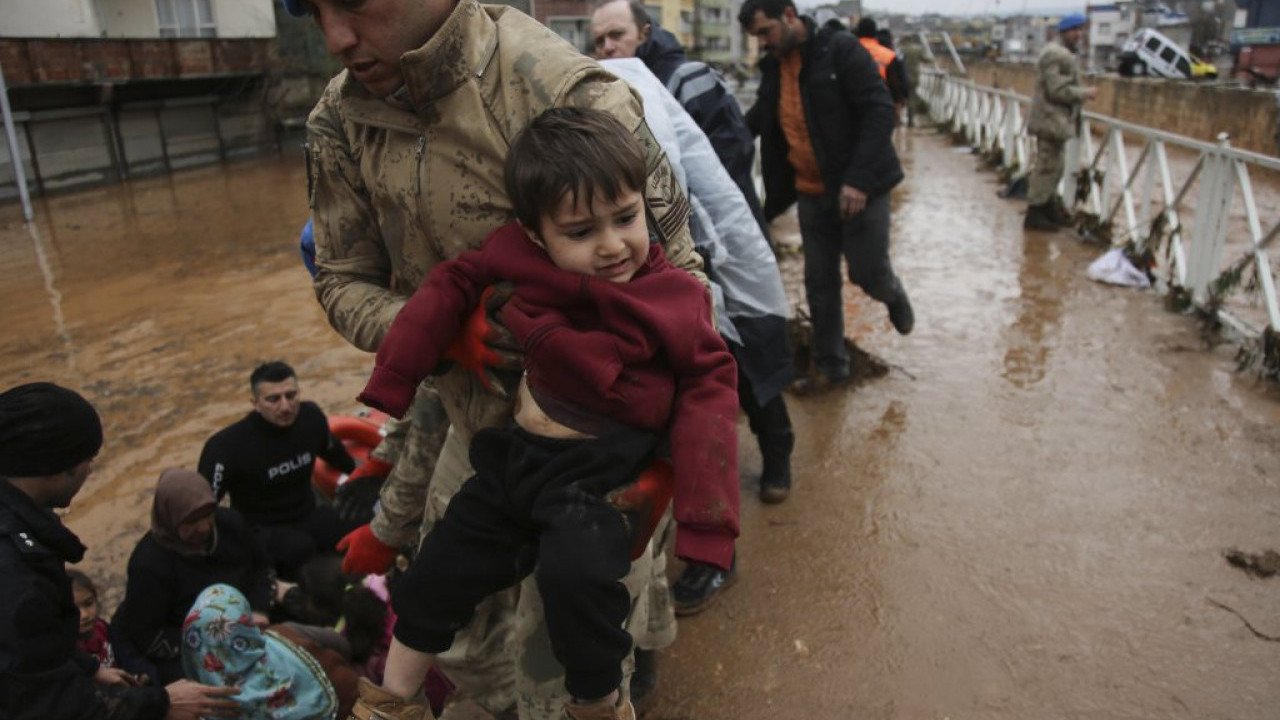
[(416, 447), (353, 272), (1057, 72)]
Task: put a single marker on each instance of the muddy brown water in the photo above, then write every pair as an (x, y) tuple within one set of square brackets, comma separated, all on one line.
[(1024, 519)]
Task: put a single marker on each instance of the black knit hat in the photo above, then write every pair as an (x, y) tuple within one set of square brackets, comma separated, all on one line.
[(46, 429)]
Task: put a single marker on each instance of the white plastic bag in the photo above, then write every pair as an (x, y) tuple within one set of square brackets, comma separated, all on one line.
[(1114, 268)]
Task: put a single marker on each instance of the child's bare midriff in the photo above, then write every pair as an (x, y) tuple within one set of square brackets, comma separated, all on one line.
[(531, 417)]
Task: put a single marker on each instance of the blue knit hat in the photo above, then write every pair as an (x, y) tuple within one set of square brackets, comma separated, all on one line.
[(1069, 22), (293, 7)]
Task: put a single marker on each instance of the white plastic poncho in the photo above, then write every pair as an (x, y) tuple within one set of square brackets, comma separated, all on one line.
[(751, 306)]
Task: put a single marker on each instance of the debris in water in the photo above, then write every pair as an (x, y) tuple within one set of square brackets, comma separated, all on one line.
[(1264, 564)]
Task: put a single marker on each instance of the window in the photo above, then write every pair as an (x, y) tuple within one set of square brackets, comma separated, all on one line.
[(185, 18), (1167, 55), (1184, 67), (1153, 44)]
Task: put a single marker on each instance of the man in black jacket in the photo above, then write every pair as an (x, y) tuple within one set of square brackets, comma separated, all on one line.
[(623, 28), (264, 461), (825, 120), (49, 437)]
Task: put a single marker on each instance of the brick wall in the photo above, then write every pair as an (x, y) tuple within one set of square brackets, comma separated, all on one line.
[(1196, 110), (80, 61)]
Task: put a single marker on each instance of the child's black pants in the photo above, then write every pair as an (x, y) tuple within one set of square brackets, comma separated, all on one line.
[(534, 505)]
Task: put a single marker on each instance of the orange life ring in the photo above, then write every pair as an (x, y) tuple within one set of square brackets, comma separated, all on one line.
[(360, 434)]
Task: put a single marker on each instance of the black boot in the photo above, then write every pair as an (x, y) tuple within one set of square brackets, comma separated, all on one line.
[(775, 472), (698, 585), (771, 424), (644, 681), (1038, 218)]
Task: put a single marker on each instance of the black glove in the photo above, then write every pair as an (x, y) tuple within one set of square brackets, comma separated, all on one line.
[(355, 498)]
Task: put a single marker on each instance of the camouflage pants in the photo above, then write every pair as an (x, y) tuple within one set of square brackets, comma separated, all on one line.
[(1046, 173), (503, 658)]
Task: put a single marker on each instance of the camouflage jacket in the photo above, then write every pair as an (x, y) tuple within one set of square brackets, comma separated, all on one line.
[(1055, 109), (399, 184)]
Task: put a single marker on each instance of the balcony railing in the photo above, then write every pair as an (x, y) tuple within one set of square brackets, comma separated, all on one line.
[(1187, 207), (91, 61)]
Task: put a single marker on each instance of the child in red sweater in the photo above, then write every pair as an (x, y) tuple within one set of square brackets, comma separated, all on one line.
[(621, 357)]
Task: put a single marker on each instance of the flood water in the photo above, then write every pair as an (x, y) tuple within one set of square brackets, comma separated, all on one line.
[(1024, 519)]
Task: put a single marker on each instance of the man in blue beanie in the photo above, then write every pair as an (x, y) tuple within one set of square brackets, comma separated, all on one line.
[(49, 436), (1055, 118)]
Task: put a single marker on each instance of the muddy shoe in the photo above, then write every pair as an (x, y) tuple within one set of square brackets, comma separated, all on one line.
[(775, 472), (901, 315), (644, 681), (698, 585), (374, 703), (817, 384), (602, 710)]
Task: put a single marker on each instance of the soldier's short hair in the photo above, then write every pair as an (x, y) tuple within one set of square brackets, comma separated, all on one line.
[(571, 152)]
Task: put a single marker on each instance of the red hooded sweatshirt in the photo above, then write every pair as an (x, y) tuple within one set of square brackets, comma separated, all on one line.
[(643, 354)]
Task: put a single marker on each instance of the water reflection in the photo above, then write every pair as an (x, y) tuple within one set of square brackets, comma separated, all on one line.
[(1030, 337)]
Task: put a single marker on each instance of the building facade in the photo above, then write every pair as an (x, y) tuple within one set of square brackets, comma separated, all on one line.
[(103, 90)]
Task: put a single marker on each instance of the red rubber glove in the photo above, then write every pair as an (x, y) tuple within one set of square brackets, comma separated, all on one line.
[(644, 499), (484, 344), (364, 553)]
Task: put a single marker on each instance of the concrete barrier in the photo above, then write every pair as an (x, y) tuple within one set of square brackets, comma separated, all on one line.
[(1197, 110)]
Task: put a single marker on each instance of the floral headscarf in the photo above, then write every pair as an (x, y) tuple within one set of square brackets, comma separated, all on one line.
[(277, 679)]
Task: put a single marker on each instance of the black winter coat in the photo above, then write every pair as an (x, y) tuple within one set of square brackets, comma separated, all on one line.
[(162, 584), (42, 672), (703, 94), (849, 113)]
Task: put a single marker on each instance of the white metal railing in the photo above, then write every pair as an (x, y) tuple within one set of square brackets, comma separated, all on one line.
[(1219, 262)]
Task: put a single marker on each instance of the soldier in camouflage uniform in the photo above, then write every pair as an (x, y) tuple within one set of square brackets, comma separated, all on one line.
[(405, 159)]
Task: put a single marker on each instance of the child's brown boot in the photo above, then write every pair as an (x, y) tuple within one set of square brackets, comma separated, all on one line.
[(599, 710), (374, 703)]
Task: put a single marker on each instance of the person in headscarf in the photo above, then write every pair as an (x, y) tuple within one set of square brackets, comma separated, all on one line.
[(278, 680), (191, 545)]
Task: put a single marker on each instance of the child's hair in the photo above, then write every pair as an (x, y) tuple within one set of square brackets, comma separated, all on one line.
[(327, 596), (571, 152), (82, 581)]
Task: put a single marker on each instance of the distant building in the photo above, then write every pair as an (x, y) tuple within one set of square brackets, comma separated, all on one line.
[(106, 90), (1110, 25)]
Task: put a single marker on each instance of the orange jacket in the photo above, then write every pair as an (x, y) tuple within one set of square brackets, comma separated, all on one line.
[(881, 54)]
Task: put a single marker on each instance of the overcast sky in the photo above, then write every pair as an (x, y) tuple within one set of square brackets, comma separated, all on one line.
[(961, 7)]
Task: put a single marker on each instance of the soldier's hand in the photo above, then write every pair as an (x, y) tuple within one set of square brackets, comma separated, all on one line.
[(364, 553), (485, 345)]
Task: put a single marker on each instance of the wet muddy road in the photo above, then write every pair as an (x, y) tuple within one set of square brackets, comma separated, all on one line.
[(1023, 519)]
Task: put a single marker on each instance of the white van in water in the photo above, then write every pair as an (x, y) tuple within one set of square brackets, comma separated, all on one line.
[(1150, 53)]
